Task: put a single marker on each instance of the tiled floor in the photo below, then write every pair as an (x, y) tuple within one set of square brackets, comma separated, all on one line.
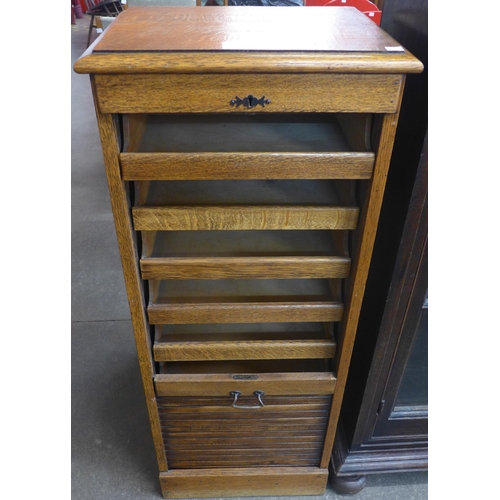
[(112, 449)]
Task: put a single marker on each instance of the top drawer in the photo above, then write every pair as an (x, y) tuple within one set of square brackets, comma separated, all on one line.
[(218, 93)]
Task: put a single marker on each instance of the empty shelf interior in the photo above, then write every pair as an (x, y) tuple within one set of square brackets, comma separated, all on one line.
[(247, 192), (243, 133), (242, 332), (243, 290), (172, 244)]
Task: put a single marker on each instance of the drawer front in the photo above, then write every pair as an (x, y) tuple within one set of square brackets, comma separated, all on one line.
[(222, 384), (208, 432), (225, 93)]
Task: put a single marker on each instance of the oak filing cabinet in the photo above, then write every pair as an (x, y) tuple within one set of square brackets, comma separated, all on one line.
[(246, 151)]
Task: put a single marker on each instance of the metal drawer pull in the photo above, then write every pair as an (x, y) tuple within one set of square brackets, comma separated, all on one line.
[(235, 395), (250, 101)]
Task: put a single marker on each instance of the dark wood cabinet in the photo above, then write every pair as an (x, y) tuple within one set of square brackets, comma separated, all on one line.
[(383, 425), (383, 422)]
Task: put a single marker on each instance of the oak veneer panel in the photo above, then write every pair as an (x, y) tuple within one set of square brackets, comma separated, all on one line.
[(156, 29), (221, 384), (212, 93), (119, 203), (245, 312), (271, 481), (232, 342), (355, 286), (247, 63), (245, 267), (252, 349), (210, 166), (243, 301), (243, 254), (230, 218)]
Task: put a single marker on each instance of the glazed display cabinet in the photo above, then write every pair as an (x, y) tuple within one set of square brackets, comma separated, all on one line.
[(246, 151)]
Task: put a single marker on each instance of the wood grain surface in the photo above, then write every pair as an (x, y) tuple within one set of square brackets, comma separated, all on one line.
[(245, 312), (209, 433), (158, 29), (205, 93), (224, 218), (213, 166), (252, 349), (221, 384), (245, 267), (355, 286), (247, 481), (247, 63), (119, 203)]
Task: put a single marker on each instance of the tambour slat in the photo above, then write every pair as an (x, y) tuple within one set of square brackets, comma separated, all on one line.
[(188, 218), (222, 411), (190, 402), (241, 433), (264, 349), (292, 426), (245, 267), (222, 165), (231, 462), (235, 443)]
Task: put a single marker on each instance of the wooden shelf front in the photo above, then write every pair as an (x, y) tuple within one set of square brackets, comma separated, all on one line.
[(227, 342), (244, 254), (243, 301), (245, 205)]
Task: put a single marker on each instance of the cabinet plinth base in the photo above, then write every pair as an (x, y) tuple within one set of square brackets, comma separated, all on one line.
[(251, 482)]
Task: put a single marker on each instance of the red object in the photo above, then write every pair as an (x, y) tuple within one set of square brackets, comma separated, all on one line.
[(365, 6)]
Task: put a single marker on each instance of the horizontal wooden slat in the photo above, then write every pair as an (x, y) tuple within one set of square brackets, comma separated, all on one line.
[(245, 432), (264, 349), (246, 481), (315, 424), (182, 218), (196, 93), (212, 166), (250, 461), (175, 402), (222, 384), (245, 267), (237, 443), (224, 410), (245, 312)]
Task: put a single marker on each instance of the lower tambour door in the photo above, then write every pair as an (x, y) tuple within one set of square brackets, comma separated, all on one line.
[(251, 419)]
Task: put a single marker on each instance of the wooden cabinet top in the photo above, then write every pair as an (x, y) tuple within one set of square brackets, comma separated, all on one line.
[(245, 39)]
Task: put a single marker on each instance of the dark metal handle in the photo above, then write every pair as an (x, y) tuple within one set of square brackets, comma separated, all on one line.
[(236, 394), (249, 101)]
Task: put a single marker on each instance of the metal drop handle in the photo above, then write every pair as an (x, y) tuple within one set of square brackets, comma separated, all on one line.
[(236, 394)]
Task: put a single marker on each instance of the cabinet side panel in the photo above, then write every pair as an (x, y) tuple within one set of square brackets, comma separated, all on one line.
[(129, 259), (361, 263)]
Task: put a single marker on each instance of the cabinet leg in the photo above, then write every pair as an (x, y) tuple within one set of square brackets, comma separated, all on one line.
[(348, 484)]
